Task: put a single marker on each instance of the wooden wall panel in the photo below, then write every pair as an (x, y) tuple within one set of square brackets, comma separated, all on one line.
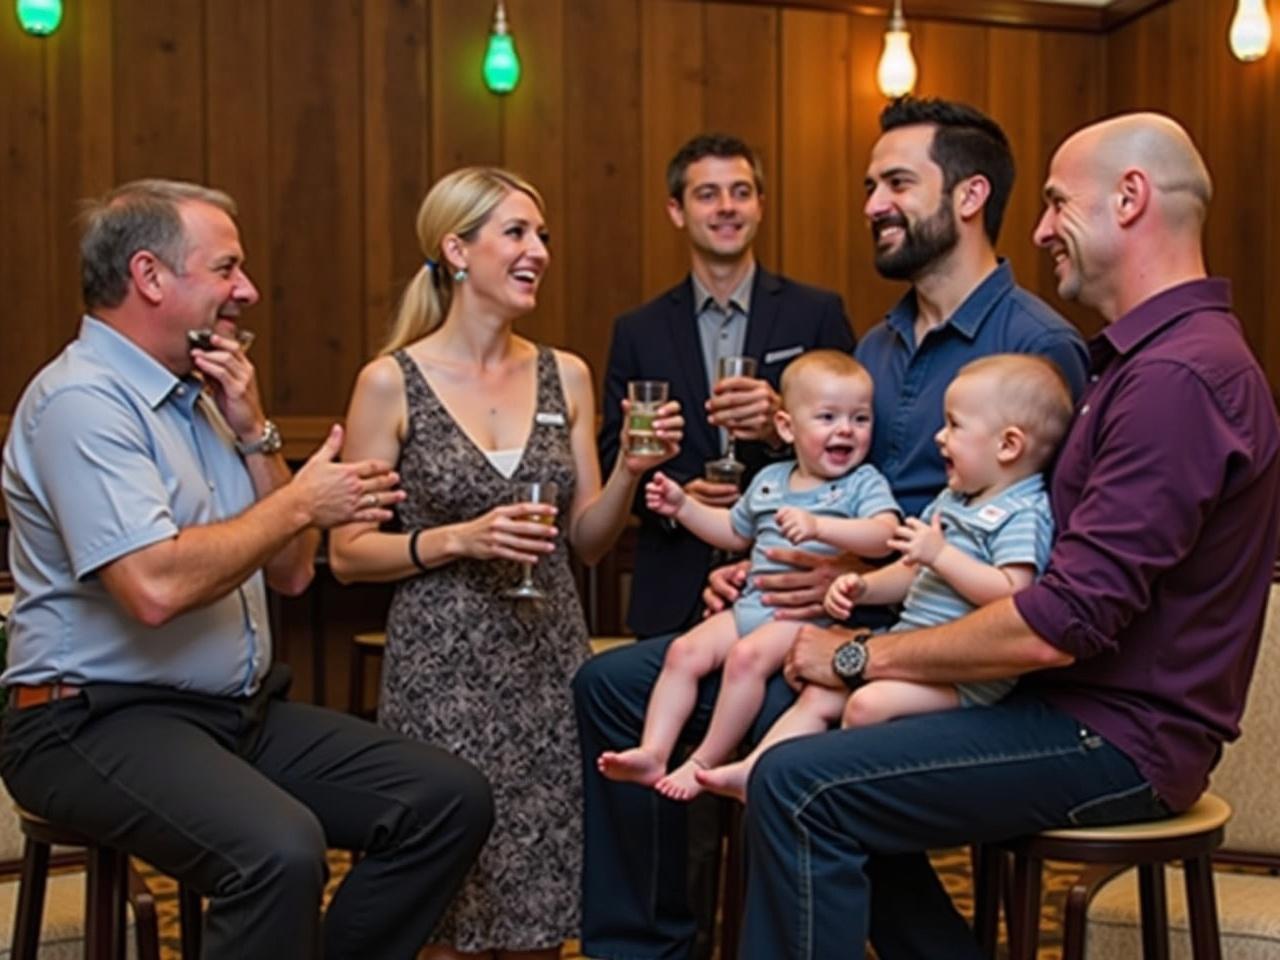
[(24, 227), (534, 137), (239, 155), (81, 151), (397, 155), (316, 203), (159, 89), (868, 295), (740, 66), (466, 121), (814, 170), (672, 87), (329, 119), (602, 170)]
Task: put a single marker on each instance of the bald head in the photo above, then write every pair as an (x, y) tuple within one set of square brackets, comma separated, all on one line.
[(1160, 148)]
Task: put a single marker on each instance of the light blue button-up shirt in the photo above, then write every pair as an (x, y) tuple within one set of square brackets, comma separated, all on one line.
[(108, 453)]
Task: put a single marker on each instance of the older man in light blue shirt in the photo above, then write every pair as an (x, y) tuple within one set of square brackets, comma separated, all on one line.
[(150, 509)]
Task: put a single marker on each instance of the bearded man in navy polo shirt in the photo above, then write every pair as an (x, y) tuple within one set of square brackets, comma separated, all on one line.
[(1136, 647)]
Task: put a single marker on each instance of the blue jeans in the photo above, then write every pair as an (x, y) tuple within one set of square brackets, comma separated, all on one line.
[(838, 823), (634, 885)]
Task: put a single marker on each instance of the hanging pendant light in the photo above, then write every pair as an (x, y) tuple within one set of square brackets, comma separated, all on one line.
[(501, 64), (39, 17), (1250, 33), (896, 73)]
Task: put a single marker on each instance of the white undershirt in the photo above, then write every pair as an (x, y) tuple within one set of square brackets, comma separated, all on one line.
[(505, 461)]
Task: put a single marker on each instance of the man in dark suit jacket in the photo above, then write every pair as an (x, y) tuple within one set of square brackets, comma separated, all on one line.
[(727, 306)]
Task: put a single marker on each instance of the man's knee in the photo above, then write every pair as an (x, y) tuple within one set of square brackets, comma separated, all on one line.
[(287, 852), (442, 795)]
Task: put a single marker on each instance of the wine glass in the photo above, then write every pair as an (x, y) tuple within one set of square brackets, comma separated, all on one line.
[(538, 491), (728, 468)]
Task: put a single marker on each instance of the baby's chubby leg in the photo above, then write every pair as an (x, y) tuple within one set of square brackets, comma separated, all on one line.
[(689, 658), (815, 711), (747, 668)]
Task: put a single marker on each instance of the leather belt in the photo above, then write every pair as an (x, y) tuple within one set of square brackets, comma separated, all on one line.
[(21, 697)]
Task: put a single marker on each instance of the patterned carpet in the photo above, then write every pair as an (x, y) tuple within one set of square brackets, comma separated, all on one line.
[(952, 865)]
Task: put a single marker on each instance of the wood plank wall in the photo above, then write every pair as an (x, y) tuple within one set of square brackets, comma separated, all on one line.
[(1175, 59), (328, 119)]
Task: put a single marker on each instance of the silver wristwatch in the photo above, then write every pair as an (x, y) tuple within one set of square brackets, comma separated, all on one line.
[(849, 661), (269, 442)]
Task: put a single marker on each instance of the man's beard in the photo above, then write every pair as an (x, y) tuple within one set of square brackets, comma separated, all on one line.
[(928, 241)]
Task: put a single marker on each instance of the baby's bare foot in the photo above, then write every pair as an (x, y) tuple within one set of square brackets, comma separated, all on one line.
[(636, 765), (729, 780), (680, 783)]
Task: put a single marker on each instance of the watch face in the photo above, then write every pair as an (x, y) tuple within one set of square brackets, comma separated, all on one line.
[(849, 660)]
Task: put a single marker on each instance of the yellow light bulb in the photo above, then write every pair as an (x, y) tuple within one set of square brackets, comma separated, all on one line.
[(896, 73), (1250, 34)]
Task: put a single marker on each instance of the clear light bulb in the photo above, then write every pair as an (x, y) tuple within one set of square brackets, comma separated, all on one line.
[(1250, 34), (896, 73)]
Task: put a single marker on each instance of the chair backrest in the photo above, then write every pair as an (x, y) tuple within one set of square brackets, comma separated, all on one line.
[(1246, 775)]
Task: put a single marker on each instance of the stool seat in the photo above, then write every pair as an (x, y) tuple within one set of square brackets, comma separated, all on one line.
[(1208, 813), (1189, 838), (109, 882)]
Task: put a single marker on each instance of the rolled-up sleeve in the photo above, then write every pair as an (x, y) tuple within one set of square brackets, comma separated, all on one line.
[(1154, 471)]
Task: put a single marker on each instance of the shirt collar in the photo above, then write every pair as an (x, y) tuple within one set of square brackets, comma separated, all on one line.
[(1157, 312), (143, 372), (967, 319), (740, 297)]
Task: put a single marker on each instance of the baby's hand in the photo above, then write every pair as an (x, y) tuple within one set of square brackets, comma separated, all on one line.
[(844, 592), (797, 525), (663, 495), (919, 542)]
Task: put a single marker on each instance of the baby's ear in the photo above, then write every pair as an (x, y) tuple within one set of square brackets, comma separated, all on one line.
[(1013, 445), (782, 420)]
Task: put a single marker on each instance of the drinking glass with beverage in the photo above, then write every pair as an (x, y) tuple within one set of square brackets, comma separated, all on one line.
[(646, 397), (728, 468), (537, 492)]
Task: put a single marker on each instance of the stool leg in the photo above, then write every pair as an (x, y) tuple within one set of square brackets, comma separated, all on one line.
[(31, 888), (988, 864), (1202, 908), (1024, 922), (1155, 914), (732, 887), (191, 921), (104, 904)]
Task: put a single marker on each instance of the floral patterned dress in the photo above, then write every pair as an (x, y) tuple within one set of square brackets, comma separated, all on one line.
[(487, 677)]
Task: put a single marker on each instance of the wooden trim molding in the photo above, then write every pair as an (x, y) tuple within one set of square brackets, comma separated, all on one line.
[(301, 434), (991, 13)]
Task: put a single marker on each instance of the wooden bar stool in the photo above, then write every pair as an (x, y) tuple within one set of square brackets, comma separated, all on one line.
[(1190, 837), (109, 880), (364, 647)]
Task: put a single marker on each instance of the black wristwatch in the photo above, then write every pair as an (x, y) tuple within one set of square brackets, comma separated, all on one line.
[(850, 660)]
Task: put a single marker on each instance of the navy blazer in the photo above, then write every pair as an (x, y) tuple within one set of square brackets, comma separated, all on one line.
[(659, 341)]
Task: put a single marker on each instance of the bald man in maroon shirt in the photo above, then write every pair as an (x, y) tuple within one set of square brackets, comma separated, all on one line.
[(1137, 646)]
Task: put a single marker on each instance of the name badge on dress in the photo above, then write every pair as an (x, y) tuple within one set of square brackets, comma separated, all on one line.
[(992, 514), (549, 419)]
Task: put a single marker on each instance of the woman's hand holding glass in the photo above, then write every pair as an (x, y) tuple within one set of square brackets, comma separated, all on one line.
[(667, 430), (508, 532)]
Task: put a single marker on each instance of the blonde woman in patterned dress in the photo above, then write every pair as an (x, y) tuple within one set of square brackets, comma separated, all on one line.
[(468, 409)]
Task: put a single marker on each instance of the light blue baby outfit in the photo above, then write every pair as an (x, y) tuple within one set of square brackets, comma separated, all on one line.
[(1016, 527), (863, 492)]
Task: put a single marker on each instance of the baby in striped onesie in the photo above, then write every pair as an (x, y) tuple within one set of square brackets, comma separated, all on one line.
[(986, 536)]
